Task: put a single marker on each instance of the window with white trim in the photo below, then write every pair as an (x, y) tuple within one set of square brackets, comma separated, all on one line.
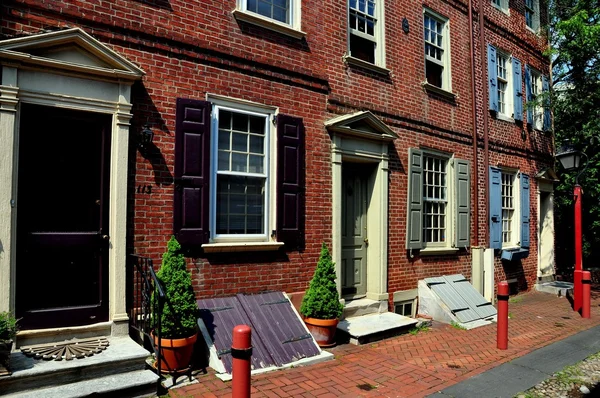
[(501, 4), (365, 24), (278, 10), (535, 84), (532, 14), (435, 200), (438, 201), (509, 209), (241, 183), (437, 59), (504, 86)]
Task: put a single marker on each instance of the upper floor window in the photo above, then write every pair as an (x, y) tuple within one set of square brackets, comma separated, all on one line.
[(278, 10), (501, 4), (505, 85), (532, 14), (535, 109), (365, 23), (437, 60)]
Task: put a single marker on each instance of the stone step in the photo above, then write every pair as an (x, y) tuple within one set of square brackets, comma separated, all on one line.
[(368, 328), (139, 383), (364, 306), (558, 288), (122, 356)]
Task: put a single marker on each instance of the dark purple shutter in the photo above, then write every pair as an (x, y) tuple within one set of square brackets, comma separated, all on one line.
[(192, 171), (290, 182)]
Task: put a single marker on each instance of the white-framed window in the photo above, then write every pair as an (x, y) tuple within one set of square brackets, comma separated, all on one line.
[(365, 26), (504, 86), (436, 34), (532, 14), (277, 10), (501, 4), (406, 308), (510, 209), (282, 16), (241, 184), (435, 200), (535, 83)]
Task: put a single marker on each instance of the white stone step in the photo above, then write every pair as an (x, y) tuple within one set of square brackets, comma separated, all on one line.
[(123, 355), (140, 383), (364, 306), (368, 328), (558, 288)]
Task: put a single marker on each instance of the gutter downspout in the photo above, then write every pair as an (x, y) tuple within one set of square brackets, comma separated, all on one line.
[(474, 109), (486, 160)]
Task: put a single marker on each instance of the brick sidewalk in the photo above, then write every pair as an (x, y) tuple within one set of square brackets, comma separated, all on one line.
[(417, 365)]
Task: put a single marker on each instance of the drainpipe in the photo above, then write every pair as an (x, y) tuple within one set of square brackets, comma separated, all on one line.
[(474, 109), (486, 160)]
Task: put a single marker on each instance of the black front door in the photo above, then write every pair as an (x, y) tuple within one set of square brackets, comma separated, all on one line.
[(62, 219)]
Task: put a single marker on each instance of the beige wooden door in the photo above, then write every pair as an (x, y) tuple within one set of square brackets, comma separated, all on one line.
[(354, 231)]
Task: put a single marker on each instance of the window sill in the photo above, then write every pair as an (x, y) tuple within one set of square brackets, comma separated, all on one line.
[(503, 117), (267, 23), (437, 251), (534, 31), (366, 65), (503, 10), (241, 247), (430, 88)]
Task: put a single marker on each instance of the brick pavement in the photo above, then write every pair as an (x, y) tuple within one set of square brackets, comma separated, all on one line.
[(417, 365)]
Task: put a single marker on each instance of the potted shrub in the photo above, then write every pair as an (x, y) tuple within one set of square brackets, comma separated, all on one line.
[(178, 323), (8, 332), (321, 307)]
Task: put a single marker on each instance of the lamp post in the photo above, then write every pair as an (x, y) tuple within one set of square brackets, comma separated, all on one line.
[(570, 158)]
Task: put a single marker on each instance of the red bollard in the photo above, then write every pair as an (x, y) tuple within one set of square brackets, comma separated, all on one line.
[(241, 351), (586, 284), (502, 337), (577, 290)]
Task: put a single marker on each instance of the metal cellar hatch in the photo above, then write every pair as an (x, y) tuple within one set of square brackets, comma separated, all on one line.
[(279, 337), (454, 295)]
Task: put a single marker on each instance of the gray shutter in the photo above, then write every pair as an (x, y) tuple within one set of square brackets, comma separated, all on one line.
[(518, 89), (495, 209), (492, 78), (462, 203), (414, 225)]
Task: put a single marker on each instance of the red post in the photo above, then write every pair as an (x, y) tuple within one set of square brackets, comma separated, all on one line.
[(502, 336), (577, 196), (586, 284), (241, 351)]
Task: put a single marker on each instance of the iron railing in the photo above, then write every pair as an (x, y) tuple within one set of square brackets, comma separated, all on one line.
[(146, 302)]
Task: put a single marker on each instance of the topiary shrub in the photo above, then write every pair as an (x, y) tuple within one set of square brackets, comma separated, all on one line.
[(180, 312), (322, 300)]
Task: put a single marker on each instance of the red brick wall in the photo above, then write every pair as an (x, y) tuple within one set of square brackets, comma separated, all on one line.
[(190, 48)]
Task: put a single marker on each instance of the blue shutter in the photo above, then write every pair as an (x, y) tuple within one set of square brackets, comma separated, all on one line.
[(463, 202), (492, 78), (495, 208), (547, 115), (414, 225), (525, 210), (528, 95), (518, 89)]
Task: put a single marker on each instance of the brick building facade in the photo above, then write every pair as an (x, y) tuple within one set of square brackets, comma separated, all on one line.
[(398, 133)]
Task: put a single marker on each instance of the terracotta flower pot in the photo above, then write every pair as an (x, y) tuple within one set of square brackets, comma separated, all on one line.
[(323, 330), (176, 354)]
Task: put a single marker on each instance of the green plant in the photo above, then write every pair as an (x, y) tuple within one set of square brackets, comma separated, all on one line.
[(8, 326), (457, 325), (180, 312), (322, 300), (419, 328)]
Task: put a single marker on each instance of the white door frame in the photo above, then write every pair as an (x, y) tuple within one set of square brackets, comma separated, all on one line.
[(75, 71)]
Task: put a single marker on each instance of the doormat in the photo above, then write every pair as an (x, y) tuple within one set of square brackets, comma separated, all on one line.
[(67, 350)]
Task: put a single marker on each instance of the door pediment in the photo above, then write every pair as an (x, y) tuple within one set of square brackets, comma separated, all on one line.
[(70, 50), (361, 124)]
